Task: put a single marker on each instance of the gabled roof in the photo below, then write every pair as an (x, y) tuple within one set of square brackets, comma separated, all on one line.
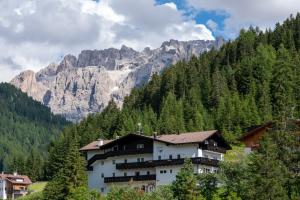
[(13, 179), (183, 138), (254, 129), (94, 145)]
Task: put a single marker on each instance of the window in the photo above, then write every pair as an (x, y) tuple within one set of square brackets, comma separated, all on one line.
[(148, 173), (215, 157), (140, 146), (125, 174), (215, 144), (159, 157), (142, 159), (102, 189), (215, 171), (178, 156), (165, 171), (102, 162), (170, 156), (171, 171), (137, 173), (206, 156), (138, 160), (115, 148), (161, 171), (102, 175), (206, 142), (206, 170), (113, 162), (114, 174), (124, 147), (125, 160)]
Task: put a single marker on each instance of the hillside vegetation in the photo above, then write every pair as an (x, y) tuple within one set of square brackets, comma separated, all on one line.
[(26, 128), (250, 80)]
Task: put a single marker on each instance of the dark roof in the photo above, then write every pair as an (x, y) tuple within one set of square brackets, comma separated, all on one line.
[(13, 179)]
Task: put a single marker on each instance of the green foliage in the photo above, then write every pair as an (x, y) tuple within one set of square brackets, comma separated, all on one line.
[(33, 196), (249, 81), (26, 128), (184, 187), (71, 179), (208, 185), (124, 193)]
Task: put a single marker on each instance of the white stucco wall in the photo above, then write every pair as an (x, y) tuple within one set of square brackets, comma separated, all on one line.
[(107, 168), (3, 194), (164, 150)]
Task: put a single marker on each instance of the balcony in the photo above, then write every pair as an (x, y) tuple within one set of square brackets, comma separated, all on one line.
[(154, 163), (213, 148), (129, 178), (118, 153)]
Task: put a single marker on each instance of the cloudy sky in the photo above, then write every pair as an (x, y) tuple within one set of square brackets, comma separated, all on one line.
[(34, 33)]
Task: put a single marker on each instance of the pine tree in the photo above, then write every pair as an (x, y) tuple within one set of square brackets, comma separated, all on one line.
[(282, 85), (72, 174), (267, 175), (184, 187)]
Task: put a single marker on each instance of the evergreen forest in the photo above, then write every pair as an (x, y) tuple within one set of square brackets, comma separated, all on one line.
[(26, 128)]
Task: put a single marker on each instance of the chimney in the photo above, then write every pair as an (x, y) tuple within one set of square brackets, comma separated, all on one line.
[(100, 142), (154, 135), (15, 173)]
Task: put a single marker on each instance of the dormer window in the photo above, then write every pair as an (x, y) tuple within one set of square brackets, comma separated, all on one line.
[(205, 141), (140, 146)]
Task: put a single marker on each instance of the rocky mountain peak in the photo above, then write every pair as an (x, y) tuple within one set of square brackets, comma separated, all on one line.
[(85, 84)]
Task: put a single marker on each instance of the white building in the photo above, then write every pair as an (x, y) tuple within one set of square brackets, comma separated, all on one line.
[(13, 186), (147, 162)]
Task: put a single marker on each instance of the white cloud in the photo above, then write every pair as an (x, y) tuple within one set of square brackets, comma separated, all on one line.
[(34, 33), (243, 13)]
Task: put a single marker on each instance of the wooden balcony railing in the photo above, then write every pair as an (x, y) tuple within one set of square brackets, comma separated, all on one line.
[(118, 153), (154, 163), (130, 178), (213, 148)]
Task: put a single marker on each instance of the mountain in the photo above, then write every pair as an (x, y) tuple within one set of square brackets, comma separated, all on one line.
[(26, 129), (79, 86), (248, 81)]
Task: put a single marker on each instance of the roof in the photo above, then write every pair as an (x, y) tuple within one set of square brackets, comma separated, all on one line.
[(13, 179), (184, 138), (94, 145), (254, 129)]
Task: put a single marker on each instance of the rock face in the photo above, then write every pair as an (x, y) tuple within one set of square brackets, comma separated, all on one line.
[(83, 85)]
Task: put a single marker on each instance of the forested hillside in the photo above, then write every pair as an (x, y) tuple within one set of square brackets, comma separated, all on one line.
[(26, 128), (250, 80)]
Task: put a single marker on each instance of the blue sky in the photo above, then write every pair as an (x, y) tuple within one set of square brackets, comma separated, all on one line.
[(201, 17)]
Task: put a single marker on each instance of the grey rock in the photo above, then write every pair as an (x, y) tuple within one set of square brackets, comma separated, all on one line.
[(79, 86)]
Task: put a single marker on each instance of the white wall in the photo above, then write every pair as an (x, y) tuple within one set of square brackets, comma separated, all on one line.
[(212, 155), (107, 168), (3, 194), (164, 150)]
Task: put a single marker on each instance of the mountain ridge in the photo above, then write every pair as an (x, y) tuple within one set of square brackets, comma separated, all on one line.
[(78, 86)]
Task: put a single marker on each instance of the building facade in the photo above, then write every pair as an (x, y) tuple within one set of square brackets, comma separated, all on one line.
[(13, 186), (147, 162)]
